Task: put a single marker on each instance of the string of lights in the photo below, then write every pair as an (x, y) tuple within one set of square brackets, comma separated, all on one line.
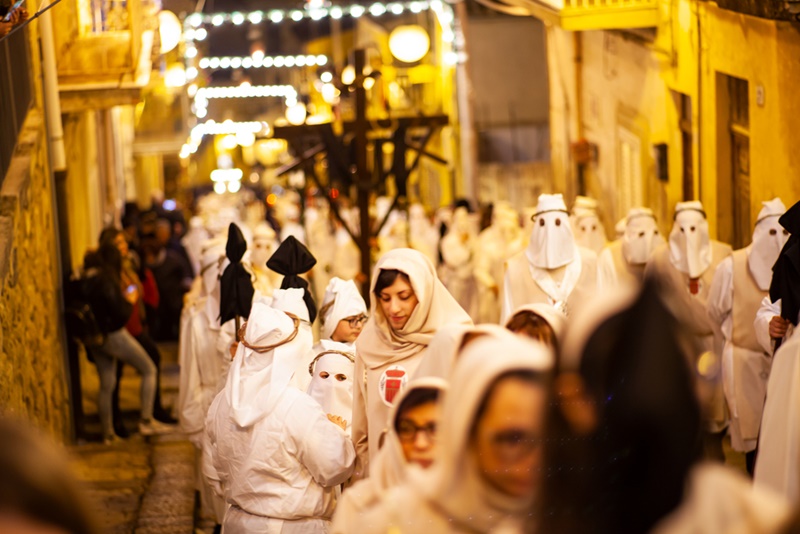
[(258, 62), (196, 20), (246, 91)]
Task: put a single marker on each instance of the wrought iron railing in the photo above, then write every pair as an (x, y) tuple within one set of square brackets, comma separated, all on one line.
[(15, 93)]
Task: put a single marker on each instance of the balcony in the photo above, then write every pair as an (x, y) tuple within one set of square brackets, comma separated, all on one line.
[(104, 52), (584, 15)]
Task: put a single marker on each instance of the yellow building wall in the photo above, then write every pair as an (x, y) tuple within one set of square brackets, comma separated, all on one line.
[(634, 82), (764, 53)]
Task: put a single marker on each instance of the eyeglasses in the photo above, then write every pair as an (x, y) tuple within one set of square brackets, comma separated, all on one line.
[(356, 321), (514, 445), (407, 431)]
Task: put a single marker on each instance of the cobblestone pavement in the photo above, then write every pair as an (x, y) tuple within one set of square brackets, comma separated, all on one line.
[(138, 485)]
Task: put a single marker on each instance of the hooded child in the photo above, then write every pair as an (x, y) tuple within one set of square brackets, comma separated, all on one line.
[(409, 443)]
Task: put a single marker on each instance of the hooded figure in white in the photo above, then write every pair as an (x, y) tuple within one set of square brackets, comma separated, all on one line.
[(342, 302), (685, 268), (272, 451), (193, 241), (458, 254), (422, 235), (332, 378), (589, 231), (347, 256), (291, 223), (264, 245), (624, 260), (553, 269), (203, 362), (496, 244), (740, 284)]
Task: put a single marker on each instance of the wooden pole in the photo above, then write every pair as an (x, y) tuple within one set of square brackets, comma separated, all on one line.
[(362, 176)]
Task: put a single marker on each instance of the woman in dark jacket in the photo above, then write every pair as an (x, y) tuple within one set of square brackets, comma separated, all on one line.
[(112, 307)]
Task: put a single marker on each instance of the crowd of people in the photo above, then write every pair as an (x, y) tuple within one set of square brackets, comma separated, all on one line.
[(526, 377)]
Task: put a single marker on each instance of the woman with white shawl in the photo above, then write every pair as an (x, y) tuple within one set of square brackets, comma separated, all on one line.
[(409, 305), (409, 443), (486, 469)]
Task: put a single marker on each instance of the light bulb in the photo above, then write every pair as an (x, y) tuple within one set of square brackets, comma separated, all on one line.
[(234, 187), (219, 188), (255, 17), (200, 34), (237, 18), (326, 77)]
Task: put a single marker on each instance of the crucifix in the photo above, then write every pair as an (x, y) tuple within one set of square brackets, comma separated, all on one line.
[(347, 155)]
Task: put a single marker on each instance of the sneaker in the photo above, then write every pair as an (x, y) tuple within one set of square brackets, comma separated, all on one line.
[(153, 428)]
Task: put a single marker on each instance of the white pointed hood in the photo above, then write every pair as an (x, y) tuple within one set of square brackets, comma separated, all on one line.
[(267, 356), (586, 225), (552, 244), (641, 236), (768, 240), (689, 242), (332, 375), (342, 299), (264, 245)]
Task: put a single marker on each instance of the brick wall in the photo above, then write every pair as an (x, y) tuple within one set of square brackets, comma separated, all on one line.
[(33, 381)]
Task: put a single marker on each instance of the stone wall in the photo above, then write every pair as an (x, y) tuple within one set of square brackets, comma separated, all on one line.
[(33, 371)]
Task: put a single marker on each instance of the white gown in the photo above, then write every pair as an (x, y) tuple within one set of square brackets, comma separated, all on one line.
[(278, 475)]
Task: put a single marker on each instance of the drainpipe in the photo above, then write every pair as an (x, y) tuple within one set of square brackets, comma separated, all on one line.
[(58, 167)]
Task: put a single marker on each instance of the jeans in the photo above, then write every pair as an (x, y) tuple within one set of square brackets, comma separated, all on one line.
[(122, 346)]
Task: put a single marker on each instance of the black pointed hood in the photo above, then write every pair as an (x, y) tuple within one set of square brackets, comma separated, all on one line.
[(236, 286), (291, 260)]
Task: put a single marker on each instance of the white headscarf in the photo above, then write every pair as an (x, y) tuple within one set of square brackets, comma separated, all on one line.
[(586, 225), (258, 375), (454, 483), (768, 240), (641, 236), (689, 242), (336, 360), (552, 244), (342, 299), (388, 470), (443, 349), (379, 344)]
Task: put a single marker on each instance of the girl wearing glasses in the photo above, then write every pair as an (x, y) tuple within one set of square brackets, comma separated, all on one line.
[(409, 443), (488, 459), (409, 305)]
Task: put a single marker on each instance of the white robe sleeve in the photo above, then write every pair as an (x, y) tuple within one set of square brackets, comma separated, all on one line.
[(322, 446), (778, 464), (606, 272), (765, 313), (720, 297)]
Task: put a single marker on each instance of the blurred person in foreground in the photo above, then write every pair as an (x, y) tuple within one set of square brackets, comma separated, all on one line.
[(38, 493), (624, 447)]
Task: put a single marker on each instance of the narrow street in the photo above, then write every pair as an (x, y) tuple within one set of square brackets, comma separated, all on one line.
[(140, 485)]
